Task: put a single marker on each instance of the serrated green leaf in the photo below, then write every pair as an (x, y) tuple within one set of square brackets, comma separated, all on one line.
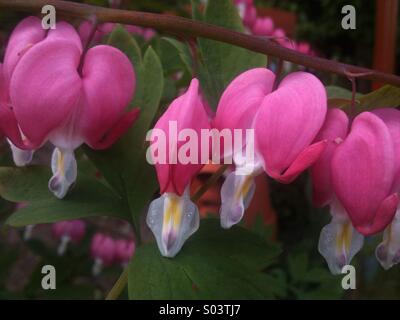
[(213, 264), (221, 62), (89, 197)]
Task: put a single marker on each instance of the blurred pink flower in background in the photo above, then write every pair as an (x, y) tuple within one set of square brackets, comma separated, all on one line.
[(124, 250), (247, 12), (264, 26), (102, 250), (68, 231)]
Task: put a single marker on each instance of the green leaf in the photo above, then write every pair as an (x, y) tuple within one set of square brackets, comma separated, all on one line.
[(339, 97), (174, 54), (311, 281), (298, 266), (337, 92), (386, 96), (122, 39), (222, 62), (24, 183), (124, 165), (259, 227), (213, 264), (169, 92), (89, 197), (6, 159), (196, 13)]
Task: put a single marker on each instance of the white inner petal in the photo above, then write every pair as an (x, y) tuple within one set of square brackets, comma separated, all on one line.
[(339, 242), (236, 195), (64, 168), (21, 157), (388, 251), (172, 219)]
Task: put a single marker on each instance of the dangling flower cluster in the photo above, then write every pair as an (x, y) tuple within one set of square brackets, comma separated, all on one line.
[(285, 121), (107, 251), (265, 26), (52, 90), (104, 249), (353, 165)]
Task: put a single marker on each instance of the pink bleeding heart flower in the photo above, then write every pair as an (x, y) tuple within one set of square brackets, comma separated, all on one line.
[(186, 112), (391, 117), (363, 173), (334, 131), (124, 250), (339, 242), (287, 123), (250, 16), (388, 251), (263, 26), (239, 104), (27, 33), (281, 38), (173, 218), (103, 249), (304, 47), (236, 110), (9, 126), (68, 231), (247, 12), (69, 97)]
